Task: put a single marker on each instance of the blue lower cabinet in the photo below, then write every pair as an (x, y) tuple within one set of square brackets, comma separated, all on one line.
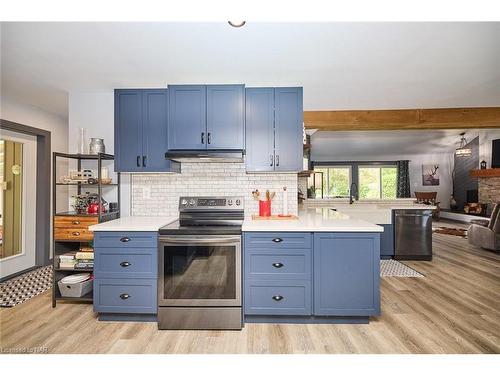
[(137, 263), (125, 296), (290, 297), (346, 274), (125, 274), (387, 241)]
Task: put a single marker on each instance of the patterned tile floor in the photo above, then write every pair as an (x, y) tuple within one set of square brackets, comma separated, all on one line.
[(393, 268), (26, 286)]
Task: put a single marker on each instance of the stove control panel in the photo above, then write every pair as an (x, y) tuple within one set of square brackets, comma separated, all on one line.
[(212, 203)]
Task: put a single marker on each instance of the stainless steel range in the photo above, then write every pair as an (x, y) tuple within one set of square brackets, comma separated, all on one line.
[(199, 284)]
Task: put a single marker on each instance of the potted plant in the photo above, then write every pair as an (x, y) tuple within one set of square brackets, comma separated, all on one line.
[(80, 203)]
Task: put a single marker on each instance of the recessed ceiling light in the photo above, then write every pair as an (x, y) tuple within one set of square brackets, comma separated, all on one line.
[(237, 23)]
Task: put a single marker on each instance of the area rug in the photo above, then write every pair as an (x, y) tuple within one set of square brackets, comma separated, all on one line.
[(393, 268), (451, 231), (26, 286)]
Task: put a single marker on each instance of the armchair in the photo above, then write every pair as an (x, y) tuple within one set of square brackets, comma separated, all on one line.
[(486, 237)]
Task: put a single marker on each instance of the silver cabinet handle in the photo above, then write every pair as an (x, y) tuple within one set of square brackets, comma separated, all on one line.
[(208, 137), (277, 240), (272, 160), (196, 241), (278, 298), (202, 137), (125, 239), (125, 264), (278, 265), (277, 160), (124, 296), (75, 233), (75, 222)]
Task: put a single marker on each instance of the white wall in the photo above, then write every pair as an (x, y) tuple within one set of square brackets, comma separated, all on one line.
[(485, 138), (15, 111), (94, 111)]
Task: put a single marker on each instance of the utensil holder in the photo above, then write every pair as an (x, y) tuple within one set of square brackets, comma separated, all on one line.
[(264, 208)]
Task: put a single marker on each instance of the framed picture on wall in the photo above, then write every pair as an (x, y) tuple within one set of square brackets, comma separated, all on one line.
[(430, 174)]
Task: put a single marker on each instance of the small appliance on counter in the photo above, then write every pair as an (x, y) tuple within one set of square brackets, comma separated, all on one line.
[(200, 282)]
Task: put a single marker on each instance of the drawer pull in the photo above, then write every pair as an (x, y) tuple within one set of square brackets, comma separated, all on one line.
[(125, 264), (75, 222), (277, 298), (75, 233), (278, 265), (277, 240), (124, 296), (125, 239)]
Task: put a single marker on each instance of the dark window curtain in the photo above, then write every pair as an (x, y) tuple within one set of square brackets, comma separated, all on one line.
[(403, 178)]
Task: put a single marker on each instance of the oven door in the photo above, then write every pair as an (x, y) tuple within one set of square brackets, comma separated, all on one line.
[(199, 270)]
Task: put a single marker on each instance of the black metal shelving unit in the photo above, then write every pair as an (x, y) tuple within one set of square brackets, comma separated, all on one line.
[(64, 246)]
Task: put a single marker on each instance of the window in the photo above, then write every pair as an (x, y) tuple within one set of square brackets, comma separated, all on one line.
[(336, 181), (377, 182)]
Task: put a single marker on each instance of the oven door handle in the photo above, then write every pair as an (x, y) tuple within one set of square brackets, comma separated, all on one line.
[(176, 240)]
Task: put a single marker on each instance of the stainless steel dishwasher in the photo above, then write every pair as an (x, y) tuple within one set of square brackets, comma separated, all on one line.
[(413, 234)]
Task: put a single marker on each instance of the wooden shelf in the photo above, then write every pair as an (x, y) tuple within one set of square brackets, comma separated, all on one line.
[(485, 173)]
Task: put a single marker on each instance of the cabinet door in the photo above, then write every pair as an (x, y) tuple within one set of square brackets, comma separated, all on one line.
[(225, 117), (128, 130), (288, 125), (155, 110), (259, 125), (346, 274), (187, 125)]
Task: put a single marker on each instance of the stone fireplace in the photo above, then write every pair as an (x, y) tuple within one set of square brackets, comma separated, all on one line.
[(489, 191)]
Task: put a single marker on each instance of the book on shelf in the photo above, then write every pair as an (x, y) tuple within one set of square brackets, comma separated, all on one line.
[(84, 255), (86, 249), (67, 256), (83, 266)]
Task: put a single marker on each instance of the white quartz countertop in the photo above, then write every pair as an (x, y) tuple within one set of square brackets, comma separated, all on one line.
[(134, 224), (313, 220)]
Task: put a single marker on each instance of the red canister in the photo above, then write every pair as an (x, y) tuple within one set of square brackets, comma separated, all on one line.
[(264, 208)]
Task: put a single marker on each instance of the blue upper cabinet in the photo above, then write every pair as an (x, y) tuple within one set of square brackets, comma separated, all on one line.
[(225, 117), (141, 131), (288, 120), (155, 132), (206, 117), (259, 113), (274, 120), (128, 130), (187, 125)]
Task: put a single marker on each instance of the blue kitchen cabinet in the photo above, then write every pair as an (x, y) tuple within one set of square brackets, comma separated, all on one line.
[(125, 274), (387, 241), (274, 118), (346, 274), (288, 125), (225, 117), (141, 131), (206, 117), (128, 130), (259, 113), (187, 125)]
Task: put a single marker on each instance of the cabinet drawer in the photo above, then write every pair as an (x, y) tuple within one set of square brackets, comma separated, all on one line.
[(126, 239), (278, 240), (125, 263), (278, 298), (264, 264), (72, 234), (125, 296), (74, 221)]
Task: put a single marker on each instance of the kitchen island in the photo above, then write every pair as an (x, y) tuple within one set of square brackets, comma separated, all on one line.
[(322, 268)]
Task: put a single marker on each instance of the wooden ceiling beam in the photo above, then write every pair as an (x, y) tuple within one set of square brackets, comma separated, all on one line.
[(404, 119)]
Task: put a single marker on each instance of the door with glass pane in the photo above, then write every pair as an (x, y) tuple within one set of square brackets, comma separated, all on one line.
[(377, 182), (17, 202)]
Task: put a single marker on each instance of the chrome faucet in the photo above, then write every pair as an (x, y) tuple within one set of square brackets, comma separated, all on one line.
[(353, 196)]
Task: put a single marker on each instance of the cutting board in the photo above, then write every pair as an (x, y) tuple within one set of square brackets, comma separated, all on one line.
[(274, 217)]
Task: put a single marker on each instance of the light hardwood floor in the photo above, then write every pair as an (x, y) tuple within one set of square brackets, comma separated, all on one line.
[(454, 309)]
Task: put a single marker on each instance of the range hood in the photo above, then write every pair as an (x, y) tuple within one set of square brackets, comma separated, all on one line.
[(206, 156)]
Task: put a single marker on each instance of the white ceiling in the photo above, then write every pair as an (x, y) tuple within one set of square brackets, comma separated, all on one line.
[(371, 145), (340, 65)]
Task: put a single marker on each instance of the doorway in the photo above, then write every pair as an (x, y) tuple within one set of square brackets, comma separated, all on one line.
[(17, 202)]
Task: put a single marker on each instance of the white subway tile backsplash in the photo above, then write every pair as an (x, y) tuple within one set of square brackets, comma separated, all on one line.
[(220, 179)]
